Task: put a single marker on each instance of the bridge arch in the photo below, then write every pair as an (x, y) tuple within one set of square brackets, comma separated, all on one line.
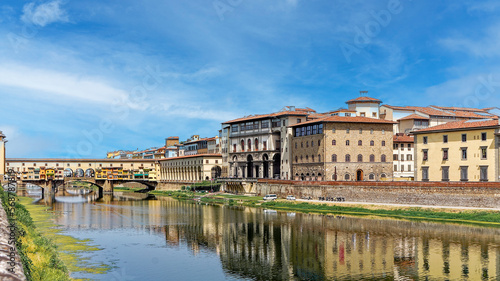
[(89, 173), (79, 173), (68, 173)]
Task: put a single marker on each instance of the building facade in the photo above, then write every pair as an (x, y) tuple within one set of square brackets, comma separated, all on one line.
[(403, 153), (458, 151), (189, 168), (342, 148), (259, 144)]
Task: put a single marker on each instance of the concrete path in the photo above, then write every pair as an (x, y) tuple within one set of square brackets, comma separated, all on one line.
[(399, 205)]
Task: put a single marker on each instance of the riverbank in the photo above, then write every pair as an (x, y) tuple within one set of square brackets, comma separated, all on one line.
[(38, 255), (428, 213)]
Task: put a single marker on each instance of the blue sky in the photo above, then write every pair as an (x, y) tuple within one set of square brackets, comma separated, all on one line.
[(79, 78)]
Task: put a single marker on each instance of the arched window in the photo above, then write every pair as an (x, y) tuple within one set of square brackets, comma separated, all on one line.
[(383, 143), (264, 145), (371, 177), (256, 143), (319, 157), (307, 158), (372, 143), (242, 145), (334, 158), (296, 159), (371, 131), (347, 142), (347, 177), (319, 142), (312, 143), (360, 158), (234, 147), (301, 159), (382, 159), (312, 158), (307, 144), (249, 145), (348, 158), (383, 176), (360, 143), (334, 142), (372, 158)]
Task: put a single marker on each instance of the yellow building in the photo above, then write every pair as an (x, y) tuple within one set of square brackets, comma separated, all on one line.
[(458, 151)]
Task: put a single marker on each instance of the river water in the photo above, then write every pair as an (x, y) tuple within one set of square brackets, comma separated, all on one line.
[(166, 239)]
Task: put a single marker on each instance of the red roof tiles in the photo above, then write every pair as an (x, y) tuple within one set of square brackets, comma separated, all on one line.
[(403, 138), (414, 116), (461, 125), (346, 119), (363, 99)]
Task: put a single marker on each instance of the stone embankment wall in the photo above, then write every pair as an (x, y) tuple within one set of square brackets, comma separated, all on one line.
[(164, 186), (9, 258), (478, 195)]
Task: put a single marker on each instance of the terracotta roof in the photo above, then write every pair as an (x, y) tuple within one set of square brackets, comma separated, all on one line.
[(425, 110), (414, 116), (346, 119), (297, 111), (65, 160), (461, 125), (403, 138), (475, 115), (363, 99), (453, 108)]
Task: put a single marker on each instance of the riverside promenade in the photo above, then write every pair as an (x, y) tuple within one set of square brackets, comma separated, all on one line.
[(11, 268)]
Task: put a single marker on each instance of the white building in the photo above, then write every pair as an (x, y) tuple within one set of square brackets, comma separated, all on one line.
[(403, 157)]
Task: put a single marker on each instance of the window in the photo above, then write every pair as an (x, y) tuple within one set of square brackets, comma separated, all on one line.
[(264, 124), (298, 120), (383, 158), (360, 131), (445, 154), (425, 140), (347, 177), (484, 152), (334, 142), (372, 158), (445, 173), (249, 144), (464, 153), (374, 114), (402, 168), (307, 158), (333, 130), (483, 173), (409, 168), (312, 143), (396, 146), (383, 143), (319, 142), (312, 158), (334, 158), (464, 137), (296, 159), (307, 143), (371, 131), (347, 131), (315, 129), (283, 123), (308, 130), (264, 145), (360, 158), (348, 158), (320, 128), (362, 114), (256, 144), (234, 128), (360, 143), (425, 154), (409, 157), (484, 136), (319, 157), (425, 173), (445, 139), (347, 142), (383, 132), (464, 173), (395, 157), (242, 145)]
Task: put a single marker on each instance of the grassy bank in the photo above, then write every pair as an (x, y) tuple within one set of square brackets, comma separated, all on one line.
[(38, 253), (47, 254), (490, 218)]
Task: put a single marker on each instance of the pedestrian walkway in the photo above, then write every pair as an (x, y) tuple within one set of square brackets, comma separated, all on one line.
[(400, 205)]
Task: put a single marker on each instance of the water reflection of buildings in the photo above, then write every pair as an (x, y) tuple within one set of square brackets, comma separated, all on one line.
[(277, 246)]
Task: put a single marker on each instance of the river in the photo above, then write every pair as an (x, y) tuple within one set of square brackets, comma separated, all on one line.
[(167, 239)]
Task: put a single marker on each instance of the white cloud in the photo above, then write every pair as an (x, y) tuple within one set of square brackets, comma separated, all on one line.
[(71, 86), (481, 47), (44, 14)]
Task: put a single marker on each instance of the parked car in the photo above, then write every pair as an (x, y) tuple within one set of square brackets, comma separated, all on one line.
[(270, 197), (290, 197)]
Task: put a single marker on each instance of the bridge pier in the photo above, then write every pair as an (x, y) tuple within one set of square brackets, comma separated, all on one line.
[(108, 187)]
